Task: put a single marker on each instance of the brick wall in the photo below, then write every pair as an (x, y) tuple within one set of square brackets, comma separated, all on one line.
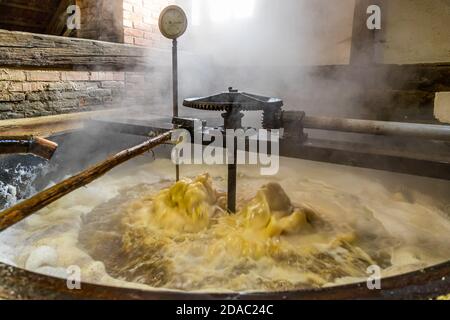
[(140, 22), (31, 93)]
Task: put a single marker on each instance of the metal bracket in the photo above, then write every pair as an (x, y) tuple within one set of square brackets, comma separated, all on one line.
[(292, 122)]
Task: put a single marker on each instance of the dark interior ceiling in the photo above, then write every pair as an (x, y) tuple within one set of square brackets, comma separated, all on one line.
[(28, 15)]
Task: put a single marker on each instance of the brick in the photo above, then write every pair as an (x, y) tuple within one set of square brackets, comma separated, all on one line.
[(76, 76), (95, 76), (44, 96), (107, 76), (151, 20), (128, 23), (127, 6), (64, 104), (119, 76), (6, 107), (100, 93), (80, 86), (33, 86), (37, 106), (14, 87), (142, 26), (149, 35), (11, 115), (112, 84), (59, 86), (87, 101), (127, 15), (6, 85), (102, 76), (143, 42), (133, 32), (43, 75), (13, 97), (128, 40), (12, 75)]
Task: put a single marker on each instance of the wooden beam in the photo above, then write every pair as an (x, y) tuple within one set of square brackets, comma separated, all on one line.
[(23, 6), (49, 125), (57, 24), (19, 23), (21, 49)]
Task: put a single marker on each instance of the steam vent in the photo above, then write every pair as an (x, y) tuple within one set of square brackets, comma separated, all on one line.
[(227, 150)]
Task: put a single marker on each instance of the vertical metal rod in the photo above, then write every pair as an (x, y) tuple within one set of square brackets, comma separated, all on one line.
[(175, 91), (232, 175), (175, 76)]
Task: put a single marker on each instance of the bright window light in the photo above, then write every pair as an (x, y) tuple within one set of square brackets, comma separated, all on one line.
[(222, 10), (196, 12), (243, 8)]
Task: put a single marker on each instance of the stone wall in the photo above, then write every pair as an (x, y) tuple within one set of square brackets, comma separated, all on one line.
[(31, 93)]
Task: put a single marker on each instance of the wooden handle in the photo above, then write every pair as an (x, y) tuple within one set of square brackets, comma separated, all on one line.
[(43, 148), (28, 144)]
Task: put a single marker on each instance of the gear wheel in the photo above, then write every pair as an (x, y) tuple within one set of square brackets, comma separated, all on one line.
[(233, 100)]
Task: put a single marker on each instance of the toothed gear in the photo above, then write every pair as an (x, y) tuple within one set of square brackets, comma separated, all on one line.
[(233, 100), (271, 118)]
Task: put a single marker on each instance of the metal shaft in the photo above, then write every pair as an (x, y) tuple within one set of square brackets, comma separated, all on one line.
[(232, 175), (232, 120), (175, 92), (413, 130)]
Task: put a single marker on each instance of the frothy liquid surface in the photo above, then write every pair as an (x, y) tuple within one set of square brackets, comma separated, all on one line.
[(310, 226)]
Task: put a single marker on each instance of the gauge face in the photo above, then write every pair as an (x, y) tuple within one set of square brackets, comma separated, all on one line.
[(172, 22)]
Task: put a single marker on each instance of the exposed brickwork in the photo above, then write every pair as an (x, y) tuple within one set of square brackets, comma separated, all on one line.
[(140, 21), (31, 93), (129, 21)]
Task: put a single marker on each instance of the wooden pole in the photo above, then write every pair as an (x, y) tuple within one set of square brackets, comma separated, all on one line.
[(26, 208)]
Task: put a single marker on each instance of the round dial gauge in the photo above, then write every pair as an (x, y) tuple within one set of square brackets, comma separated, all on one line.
[(173, 22)]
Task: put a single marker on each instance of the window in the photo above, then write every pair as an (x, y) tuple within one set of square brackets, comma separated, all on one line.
[(220, 11)]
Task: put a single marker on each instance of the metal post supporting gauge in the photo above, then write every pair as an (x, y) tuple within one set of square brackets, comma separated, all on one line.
[(173, 24), (175, 76), (175, 92)]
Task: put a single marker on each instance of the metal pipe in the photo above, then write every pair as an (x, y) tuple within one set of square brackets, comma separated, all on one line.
[(385, 128), (29, 145)]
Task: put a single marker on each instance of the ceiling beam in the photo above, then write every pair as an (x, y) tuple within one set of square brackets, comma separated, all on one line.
[(57, 22), (22, 6), (20, 23)]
